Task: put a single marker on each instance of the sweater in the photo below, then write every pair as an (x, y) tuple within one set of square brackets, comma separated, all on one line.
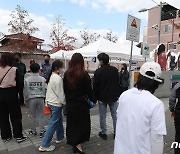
[(10, 78), (34, 87), (55, 92)]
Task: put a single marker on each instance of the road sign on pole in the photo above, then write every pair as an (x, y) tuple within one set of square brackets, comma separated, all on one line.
[(132, 34), (146, 50), (133, 29), (93, 59)]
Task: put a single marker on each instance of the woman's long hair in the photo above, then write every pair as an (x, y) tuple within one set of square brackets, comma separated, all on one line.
[(57, 64), (125, 66), (7, 59), (75, 70)]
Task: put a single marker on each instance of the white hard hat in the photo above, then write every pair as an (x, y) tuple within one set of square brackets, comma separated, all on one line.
[(153, 67)]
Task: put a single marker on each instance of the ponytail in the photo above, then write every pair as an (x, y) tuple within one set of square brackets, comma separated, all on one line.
[(49, 76)]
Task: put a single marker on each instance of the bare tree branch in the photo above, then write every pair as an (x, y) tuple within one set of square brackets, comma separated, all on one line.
[(20, 22)]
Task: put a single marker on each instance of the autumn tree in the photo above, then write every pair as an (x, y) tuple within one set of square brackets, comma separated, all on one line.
[(21, 22), (60, 38), (88, 37), (111, 36)]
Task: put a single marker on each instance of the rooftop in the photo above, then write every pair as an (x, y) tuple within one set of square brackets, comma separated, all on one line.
[(20, 36)]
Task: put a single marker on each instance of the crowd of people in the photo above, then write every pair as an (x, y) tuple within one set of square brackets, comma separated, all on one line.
[(138, 116)]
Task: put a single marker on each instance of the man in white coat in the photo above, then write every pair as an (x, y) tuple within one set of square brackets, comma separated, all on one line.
[(141, 116)]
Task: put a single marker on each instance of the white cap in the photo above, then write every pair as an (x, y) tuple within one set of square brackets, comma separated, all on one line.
[(151, 67)]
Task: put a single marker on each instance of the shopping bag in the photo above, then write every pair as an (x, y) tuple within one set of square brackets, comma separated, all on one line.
[(47, 110)]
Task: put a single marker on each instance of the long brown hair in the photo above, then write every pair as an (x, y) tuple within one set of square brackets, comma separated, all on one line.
[(7, 59), (75, 70)]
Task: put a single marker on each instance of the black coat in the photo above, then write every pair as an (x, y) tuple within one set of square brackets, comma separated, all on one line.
[(21, 67), (124, 79), (78, 115), (106, 84)]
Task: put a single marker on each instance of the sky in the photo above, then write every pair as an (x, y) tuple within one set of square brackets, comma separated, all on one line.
[(97, 15)]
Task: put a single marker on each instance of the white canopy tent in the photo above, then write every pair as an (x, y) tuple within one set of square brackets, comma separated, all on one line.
[(114, 50), (59, 54)]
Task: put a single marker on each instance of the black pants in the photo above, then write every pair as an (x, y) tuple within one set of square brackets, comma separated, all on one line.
[(10, 111), (21, 93), (177, 128)]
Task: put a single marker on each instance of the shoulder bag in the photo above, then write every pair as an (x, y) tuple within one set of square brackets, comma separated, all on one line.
[(4, 76)]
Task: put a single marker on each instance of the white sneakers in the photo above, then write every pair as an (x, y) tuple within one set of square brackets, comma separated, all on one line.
[(49, 149), (59, 141)]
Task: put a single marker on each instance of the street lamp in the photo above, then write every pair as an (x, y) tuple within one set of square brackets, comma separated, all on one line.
[(143, 10), (159, 24)]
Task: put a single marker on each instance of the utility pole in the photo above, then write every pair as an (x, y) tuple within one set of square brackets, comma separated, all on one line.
[(159, 26)]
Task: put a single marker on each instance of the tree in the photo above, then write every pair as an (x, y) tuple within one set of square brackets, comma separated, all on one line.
[(88, 37), (20, 22), (60, 38), (1, 34), (111, 37)]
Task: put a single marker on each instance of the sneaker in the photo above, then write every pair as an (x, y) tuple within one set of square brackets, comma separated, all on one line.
[(44, 149), (42, 133), (31, 132), (59, 141), (103, 136), (21, 139), (7, 140)]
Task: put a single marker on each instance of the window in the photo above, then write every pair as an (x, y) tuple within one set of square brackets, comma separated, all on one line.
[(172, 46), (168, 28)]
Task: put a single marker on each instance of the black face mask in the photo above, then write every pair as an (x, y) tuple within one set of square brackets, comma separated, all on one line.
[(46, 61), (17, 60)]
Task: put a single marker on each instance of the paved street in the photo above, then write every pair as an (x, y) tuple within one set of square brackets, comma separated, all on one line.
[(96, 145)]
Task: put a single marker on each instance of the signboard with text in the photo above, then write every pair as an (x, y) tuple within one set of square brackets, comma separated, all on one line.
[(133, 29)]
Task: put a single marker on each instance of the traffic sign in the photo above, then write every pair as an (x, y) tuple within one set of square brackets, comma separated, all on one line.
[(93, 59), (146, 50), (133, 29)]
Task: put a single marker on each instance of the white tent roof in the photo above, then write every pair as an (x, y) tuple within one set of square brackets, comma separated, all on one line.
[(114, 50), (59, 54)]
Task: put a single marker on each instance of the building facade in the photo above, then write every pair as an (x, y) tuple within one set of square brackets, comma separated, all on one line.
[(170, 33), (21, 43)]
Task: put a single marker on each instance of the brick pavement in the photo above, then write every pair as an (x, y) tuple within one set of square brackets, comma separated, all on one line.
[(96, 145)]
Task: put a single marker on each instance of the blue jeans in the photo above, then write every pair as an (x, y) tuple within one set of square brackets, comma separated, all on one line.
[(103, 110), (55, 125)]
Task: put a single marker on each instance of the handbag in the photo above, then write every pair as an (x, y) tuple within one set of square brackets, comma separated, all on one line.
[(5, 75), (47, 110), (89, 102)]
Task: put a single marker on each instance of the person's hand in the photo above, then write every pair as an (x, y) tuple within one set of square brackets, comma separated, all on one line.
[(172, 115)]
